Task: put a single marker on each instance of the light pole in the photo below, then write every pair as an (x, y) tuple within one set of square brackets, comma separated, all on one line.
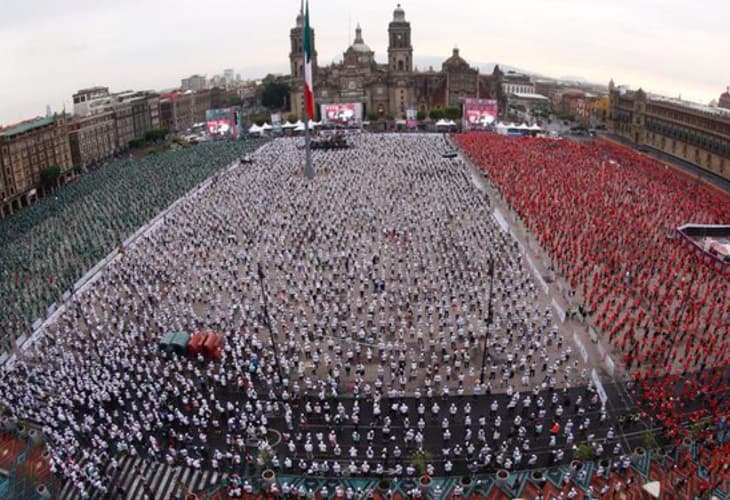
[(267, 318), (489, 319)]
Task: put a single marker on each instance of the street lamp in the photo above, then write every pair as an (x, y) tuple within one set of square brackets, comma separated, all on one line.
[(267, 319), (489, 319)]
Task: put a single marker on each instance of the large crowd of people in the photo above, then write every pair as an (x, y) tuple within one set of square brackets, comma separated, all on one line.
[(607, 216), (47, 247), (400, 318)]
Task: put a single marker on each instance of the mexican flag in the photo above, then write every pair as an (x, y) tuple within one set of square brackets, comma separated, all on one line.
[(308, 52)]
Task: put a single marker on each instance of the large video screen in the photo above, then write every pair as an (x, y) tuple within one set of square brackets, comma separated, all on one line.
[(221, 123), (479, 114), (348, 114)]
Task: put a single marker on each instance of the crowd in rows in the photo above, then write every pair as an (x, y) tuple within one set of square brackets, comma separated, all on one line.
[(607, 217), (392, 295), (47, 247)]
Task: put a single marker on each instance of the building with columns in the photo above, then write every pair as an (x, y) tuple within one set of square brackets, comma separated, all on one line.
[(689, 131), (388, 89), (26, 149)]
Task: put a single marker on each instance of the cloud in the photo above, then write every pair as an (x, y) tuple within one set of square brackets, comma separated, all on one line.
[(51, 48)]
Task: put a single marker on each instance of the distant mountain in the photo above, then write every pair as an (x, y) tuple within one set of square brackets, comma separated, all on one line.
[(577, 79)]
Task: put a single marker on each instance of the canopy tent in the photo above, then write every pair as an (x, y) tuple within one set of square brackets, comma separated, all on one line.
[(255, 129), (654, 488), (266, 126), (289, 125), (445, 123), (299, 127)]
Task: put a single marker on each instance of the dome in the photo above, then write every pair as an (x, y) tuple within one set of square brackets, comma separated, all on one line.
[(359, 45), (399, 15)]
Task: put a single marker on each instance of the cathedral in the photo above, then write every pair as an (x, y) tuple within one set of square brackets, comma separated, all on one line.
[(393, 87)]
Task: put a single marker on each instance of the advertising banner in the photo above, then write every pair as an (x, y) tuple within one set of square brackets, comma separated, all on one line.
[(411, 118), (276, 121), (347, 114), (222, 124), (479, 114)]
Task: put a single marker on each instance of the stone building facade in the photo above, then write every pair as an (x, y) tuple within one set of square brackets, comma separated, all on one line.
[(25, 150), (92, 138), (693, 132), (388, 89)]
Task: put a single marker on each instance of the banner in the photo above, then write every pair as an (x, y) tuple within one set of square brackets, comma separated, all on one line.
[(479, 114), (411, 118), (276, 121), (347, 114)]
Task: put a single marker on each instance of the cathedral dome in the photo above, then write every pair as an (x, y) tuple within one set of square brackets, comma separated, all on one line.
[(399, 15), (359, 45)]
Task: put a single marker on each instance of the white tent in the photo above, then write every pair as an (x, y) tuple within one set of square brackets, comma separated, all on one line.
[(255, 129), (315, 124), (266, 126), (451, 123), (299, 127), (535, 127), (653, 488), (444, 123), (288, 125), (523, 127)]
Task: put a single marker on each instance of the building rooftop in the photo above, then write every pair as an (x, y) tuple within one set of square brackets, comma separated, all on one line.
[(695, 106), (25, 126), (524, 95)]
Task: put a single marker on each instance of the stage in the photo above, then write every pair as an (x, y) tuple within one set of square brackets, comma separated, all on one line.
[(711, 243)]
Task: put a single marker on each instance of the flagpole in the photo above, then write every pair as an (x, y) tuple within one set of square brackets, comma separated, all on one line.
[(309, 93), (308, 168)]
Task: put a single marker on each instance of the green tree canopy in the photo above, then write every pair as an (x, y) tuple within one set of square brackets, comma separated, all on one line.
[(420, 116), (155, 134), (373, 116), (275, 93), (452, 113), (436, 114), (50, 175)]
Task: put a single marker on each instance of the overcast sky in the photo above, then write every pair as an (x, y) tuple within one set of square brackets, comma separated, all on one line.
[(51, 48)]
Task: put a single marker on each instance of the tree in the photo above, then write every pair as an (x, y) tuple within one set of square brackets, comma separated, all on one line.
[(155, 134), (235, 100), (373, 116), (50, 175), (436, 114), (275, 94), (452, 113), (260, 119), (292, 118), (420, 116)]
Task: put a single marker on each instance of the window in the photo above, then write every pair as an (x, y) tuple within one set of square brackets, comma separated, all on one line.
[(400, 65)]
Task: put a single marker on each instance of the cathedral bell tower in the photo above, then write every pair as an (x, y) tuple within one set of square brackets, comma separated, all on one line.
[(400, 51)]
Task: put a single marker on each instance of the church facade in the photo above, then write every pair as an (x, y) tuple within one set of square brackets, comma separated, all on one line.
[(388, 89)]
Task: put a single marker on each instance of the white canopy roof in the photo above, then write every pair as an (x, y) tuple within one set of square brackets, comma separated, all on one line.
[(299, 127), (254, 129), (289, 125), (266, 126), (445, 123), (653, 488)]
